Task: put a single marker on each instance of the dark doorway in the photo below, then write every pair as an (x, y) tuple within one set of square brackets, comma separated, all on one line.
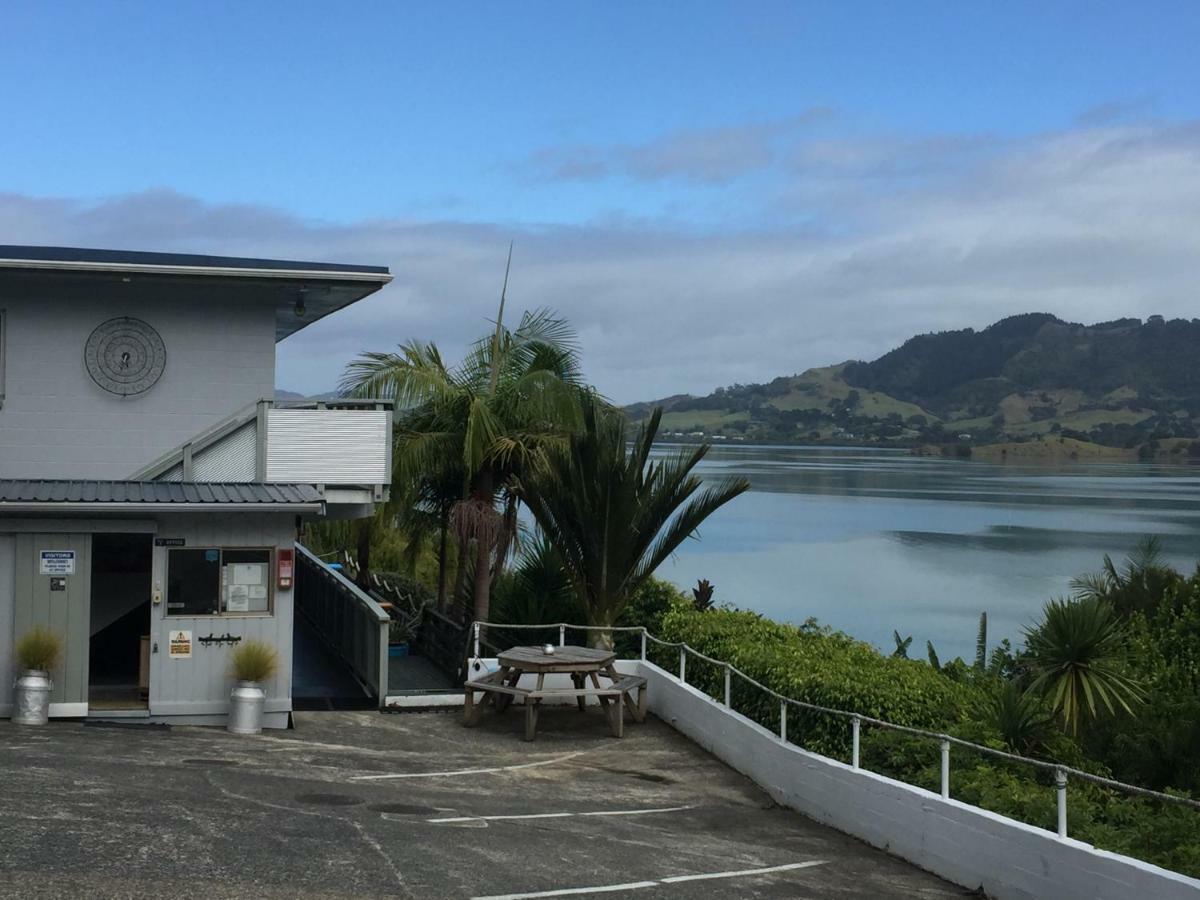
[(119, 649)]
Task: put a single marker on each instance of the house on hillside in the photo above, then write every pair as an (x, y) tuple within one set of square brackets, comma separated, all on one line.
[(151, 488)]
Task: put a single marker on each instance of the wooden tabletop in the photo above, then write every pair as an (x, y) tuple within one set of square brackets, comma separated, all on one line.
[(563, 659)]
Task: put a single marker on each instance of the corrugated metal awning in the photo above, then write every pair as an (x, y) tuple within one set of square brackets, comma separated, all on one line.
[(142, 494)]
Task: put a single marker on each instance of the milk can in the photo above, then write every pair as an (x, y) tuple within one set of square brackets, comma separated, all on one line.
[(32, 698), (246, 708)]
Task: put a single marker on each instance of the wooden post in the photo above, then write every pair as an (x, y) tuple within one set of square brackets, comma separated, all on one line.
[(783, 720), (531, 714)]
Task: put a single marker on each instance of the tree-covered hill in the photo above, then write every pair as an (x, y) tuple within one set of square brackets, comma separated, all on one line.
[(1124, 383)]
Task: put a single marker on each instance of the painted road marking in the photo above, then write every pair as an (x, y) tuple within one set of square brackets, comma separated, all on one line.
[(635, 885), (532, 765), (559, 815), (567, 892), (675, 879)]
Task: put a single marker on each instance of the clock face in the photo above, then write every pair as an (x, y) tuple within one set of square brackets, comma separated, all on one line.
[(125, 356)]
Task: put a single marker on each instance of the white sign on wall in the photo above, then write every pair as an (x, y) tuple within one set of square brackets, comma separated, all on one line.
[(57, 562), (179, 645)]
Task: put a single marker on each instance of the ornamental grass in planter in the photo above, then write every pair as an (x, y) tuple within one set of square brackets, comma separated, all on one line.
[(38, 651), (253, 662)]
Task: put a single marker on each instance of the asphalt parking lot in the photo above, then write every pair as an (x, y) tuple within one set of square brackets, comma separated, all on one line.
[(365, 804)]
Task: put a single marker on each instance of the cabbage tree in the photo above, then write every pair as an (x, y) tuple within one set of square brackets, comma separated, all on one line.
[(1078, 654), (613, 513)]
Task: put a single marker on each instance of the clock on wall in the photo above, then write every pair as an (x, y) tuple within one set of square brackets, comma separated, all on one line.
[(125, 356)]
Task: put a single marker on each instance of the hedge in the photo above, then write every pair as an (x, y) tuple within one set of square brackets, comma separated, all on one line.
[(814, 665)]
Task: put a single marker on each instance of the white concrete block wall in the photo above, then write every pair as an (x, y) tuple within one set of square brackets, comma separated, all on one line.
[(964, 844)]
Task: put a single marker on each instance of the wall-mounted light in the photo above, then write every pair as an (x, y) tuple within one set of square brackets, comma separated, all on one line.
[(299, 308)]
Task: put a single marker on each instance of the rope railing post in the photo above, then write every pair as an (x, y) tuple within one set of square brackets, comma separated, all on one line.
[(783, 720), (728, 684), (855, 728), (476, 640), (1060, 783), (643, 645), (683, 664), (562, 635), (945, 769)]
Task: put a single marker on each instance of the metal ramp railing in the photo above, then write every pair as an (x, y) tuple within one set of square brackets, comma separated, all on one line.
[(352, 625)]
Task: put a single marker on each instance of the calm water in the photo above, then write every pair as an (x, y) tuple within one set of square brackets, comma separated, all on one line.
[(871, 540)]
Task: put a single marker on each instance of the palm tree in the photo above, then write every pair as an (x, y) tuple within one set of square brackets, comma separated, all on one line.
[(1136, 587), (422, 514), (514, 396), (612, 513), (1077, 654)]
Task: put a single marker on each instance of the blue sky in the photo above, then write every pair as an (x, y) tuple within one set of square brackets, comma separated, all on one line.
[(618, 143)]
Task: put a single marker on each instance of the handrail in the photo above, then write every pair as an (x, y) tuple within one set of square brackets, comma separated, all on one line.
[(338, 403), (346, 618), (362, 596), (1060, 771)]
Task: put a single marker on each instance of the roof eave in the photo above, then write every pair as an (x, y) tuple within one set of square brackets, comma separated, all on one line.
[(136, 506), (376, 278)]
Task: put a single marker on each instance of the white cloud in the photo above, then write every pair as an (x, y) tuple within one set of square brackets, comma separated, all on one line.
[(1090, 224), (715, 155)]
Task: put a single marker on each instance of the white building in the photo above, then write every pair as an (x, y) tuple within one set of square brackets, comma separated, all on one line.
[(150, 486)]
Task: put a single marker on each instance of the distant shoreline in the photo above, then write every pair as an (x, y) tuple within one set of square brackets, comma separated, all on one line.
[(1173, 451)]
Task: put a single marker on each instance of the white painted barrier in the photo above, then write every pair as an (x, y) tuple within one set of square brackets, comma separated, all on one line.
[(963, 844)]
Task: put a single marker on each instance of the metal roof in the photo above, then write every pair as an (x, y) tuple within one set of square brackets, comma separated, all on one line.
[(154, 493), (105, 276), (15, 253)]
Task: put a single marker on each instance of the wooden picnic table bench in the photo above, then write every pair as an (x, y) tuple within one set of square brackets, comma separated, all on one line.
[(583, 664)]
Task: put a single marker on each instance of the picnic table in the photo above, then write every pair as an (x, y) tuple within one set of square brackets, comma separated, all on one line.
[(583, 664)]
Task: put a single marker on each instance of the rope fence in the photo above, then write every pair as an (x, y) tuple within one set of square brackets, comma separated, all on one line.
[(1062, 773)]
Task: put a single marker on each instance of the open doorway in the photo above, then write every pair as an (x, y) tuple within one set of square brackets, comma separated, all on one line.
[(119, 647)]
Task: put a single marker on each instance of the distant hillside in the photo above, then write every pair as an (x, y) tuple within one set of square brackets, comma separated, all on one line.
[(1124, 384)]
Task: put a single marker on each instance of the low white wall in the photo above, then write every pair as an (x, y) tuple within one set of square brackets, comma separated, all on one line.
[(964, 844)]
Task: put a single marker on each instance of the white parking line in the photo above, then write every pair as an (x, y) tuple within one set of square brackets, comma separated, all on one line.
[(675, 879), (559, 815), (635, 885), (567, 892), (532, 765)]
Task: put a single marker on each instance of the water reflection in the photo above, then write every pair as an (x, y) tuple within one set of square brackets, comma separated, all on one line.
[(871, 540)]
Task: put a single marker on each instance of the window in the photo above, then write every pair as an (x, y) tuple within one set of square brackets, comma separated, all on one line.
[(3, 337), (213, 582)]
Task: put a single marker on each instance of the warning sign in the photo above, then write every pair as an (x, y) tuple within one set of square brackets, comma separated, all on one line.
[(179, 645), (57, 562)]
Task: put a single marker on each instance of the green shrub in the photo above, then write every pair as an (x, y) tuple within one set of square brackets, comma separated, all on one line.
[(813, 665), (39, 649), (254, 660)]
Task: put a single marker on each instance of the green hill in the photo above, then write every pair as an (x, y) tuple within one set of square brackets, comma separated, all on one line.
[(1125, 383)]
